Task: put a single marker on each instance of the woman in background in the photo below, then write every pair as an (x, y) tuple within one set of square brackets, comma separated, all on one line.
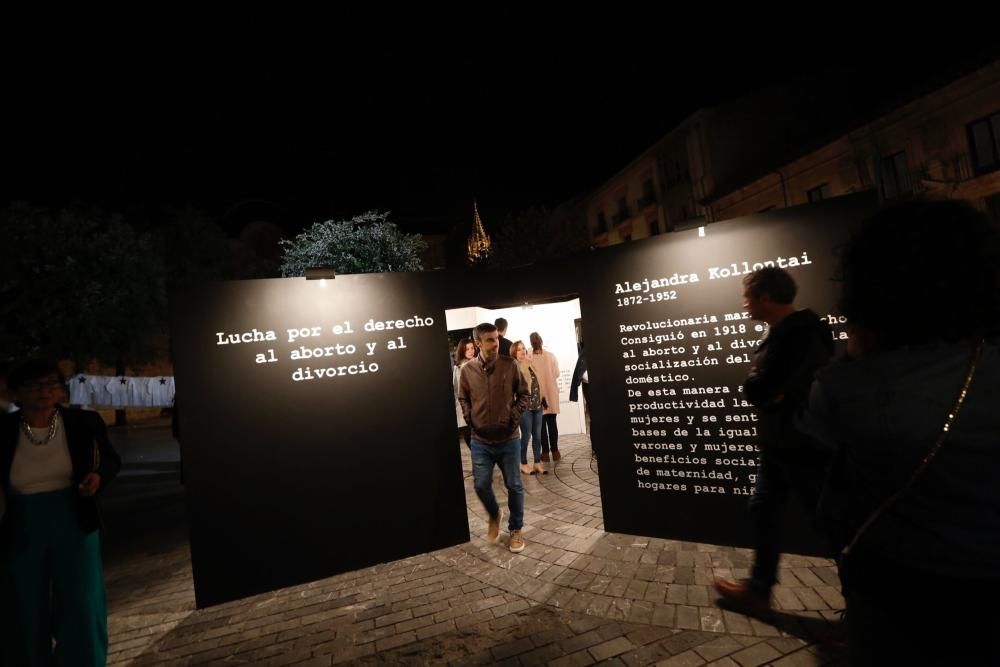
[(53, 463), (547, 368), (465, 352), (531, 418)]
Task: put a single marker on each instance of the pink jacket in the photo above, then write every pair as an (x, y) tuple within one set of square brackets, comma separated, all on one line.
[(547, 369)]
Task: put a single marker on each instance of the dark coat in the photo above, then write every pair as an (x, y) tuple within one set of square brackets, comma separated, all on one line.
[(87, 439), (781, 373)]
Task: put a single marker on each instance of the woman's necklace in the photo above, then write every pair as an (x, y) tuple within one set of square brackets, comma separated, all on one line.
[(53, 423)]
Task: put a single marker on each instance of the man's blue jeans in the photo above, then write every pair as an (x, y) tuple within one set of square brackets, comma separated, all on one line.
[(507, 455)]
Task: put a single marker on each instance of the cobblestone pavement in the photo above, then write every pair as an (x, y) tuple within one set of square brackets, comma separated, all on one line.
[(575, 596)]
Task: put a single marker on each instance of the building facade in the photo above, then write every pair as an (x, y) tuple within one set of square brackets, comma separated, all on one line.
[(760, 153)]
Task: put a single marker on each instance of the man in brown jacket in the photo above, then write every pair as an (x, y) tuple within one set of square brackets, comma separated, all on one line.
[(493, 396)]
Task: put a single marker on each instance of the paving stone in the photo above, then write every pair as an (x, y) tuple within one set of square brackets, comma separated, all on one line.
[(758, 654), (718, 648), (688, 617), (686, 659), (611, 648)]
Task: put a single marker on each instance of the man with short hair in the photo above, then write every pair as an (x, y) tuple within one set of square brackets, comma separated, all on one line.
[(796, 345), (492, 397), (501, 324)]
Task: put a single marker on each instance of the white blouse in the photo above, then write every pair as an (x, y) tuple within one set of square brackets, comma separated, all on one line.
[(41, 468)]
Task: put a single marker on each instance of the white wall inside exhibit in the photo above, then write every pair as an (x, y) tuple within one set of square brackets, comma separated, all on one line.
[(554, 322)]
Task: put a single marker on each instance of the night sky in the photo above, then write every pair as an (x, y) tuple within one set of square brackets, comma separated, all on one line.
[(300, 128)]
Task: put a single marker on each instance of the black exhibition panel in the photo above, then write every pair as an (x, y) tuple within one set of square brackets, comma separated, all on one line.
[(668, 346), (317, 428)]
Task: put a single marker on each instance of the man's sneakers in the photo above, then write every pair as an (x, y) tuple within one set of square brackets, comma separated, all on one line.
[(493, 530), (740, 596)]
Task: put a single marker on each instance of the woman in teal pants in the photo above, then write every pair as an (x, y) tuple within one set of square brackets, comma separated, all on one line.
[(53, 463)]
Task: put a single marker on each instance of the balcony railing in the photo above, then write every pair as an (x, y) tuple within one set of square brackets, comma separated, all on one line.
[(648, 200)]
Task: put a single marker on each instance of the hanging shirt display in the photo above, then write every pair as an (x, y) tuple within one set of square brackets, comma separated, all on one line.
[(81, 390), (120, 389), (161, 391), (140, 397), (99, 388)]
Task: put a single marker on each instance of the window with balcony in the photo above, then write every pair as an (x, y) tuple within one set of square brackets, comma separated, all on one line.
[(984, 142), (623, 212), (819, 193), (895, 176), (602, 223), (648, 194)]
